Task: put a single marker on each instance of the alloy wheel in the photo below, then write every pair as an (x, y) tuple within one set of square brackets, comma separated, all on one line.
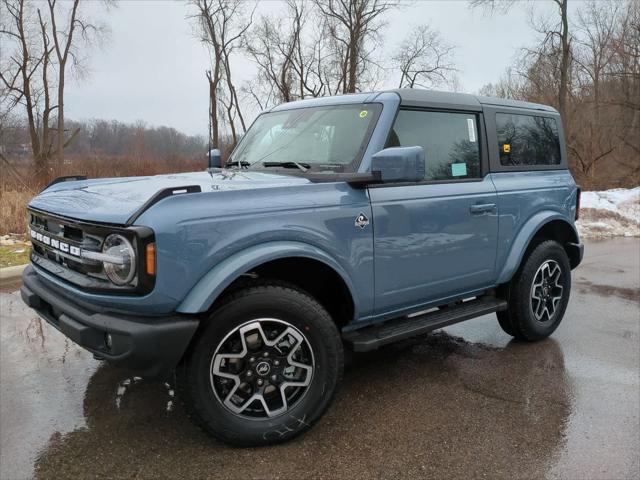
[(262, 368), (546, 291)]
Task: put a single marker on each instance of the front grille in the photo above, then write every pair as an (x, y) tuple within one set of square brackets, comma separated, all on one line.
[(58, 244), (62, 241)]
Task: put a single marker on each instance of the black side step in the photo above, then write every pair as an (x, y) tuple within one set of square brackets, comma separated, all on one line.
[(370, 338)]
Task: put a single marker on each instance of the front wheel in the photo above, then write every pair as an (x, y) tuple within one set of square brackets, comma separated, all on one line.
[(264, 368), (538, 294)]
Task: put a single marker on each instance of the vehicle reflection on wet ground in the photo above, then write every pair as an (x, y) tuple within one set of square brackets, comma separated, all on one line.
[(463, 402)]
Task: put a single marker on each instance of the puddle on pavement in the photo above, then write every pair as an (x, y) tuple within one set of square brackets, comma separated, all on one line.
[(434, 404), (466, 402), (632, 294), (43, 377), (445, 388)]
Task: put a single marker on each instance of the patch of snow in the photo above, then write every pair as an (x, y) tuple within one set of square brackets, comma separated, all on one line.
[(610, 213), (602, 225), (617, 200)]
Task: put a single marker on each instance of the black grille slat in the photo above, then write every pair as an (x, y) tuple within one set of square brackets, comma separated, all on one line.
[(72, 233), (61, 230)]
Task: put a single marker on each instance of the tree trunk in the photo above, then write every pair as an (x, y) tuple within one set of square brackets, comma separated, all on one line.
[(33, 131), (565, 60), (353, 61), (213, 113), (62, 53), (60, 143), (36, 147)]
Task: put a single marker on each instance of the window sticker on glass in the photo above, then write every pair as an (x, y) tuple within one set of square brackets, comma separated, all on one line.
[(364, 113), (471, 125), (458, 169)]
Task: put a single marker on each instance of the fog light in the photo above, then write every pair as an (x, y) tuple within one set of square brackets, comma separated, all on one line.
[(108, 341)]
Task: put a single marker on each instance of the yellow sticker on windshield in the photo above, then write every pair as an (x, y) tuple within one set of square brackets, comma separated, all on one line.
[(363, 113)]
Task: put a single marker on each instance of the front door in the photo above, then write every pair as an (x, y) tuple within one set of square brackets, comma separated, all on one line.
[(435, 239)]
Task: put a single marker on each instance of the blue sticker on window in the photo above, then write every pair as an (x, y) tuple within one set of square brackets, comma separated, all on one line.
[(458, 169)]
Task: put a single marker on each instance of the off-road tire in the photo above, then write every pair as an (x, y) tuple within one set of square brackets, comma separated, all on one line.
[(505, 322), (519, 319), (259, 300)]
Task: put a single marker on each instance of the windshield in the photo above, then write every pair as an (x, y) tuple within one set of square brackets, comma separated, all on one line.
[(321, 138)]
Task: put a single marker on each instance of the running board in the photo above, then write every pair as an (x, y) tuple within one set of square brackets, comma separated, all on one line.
[(372, 337)]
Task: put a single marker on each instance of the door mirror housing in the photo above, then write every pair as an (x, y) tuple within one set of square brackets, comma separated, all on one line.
[(399, 164), (215, 159)]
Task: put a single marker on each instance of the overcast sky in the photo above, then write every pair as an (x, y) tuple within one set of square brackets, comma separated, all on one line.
[(152, 67)]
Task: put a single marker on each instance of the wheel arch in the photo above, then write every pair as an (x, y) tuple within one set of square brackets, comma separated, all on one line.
[(303, 265), (542, 226)]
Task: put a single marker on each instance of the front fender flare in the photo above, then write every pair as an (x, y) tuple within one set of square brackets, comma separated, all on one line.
[(523, 238), (211, 285)]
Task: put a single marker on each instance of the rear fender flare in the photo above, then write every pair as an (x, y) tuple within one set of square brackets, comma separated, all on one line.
[(523, 239)]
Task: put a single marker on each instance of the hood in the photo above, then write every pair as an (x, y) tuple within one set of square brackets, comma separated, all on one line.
[(115, 200)]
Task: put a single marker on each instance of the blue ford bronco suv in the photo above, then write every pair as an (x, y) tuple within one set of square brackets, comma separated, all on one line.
[(337, 224)]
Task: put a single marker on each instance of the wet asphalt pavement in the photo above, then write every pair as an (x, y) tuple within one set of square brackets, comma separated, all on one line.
[(465, 402)]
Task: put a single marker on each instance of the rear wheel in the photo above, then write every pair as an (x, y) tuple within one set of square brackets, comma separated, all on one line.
[(505, 322), (538, 294), (264, 368)]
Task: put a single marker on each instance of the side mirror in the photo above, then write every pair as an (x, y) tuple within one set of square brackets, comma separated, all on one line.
[(399, 164), (215, 159)]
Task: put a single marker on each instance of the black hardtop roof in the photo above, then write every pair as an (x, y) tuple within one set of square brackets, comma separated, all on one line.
[(415, 97)]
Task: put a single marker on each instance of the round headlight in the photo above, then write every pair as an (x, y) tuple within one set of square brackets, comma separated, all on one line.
[(124, 270)]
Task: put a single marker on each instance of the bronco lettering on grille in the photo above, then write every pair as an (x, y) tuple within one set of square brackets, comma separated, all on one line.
[(55, 244)]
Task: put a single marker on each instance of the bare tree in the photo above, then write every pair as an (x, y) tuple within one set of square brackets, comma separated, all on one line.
[(222, 25), (24, 76), (289, 54), (602, 109), (597, 24), (511, 85), (424, 59), (309, 49), (63, 40), (593, 53), (272, 48), (561, 33), (352, 25), (556, 42), (625, 73), (39, 46), (207, 16), (274, 45)]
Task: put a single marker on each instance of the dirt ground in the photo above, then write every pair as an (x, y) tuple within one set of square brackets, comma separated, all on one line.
[(464, 402)]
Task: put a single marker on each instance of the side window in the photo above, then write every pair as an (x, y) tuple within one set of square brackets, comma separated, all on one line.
[(527, 140), (450, 142)]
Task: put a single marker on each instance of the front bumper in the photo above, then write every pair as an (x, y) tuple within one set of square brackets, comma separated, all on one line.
[(151, 346)]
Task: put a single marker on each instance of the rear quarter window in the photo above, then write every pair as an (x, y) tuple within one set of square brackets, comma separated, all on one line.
[(527, 140)]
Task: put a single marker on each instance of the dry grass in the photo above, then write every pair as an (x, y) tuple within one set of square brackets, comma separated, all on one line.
[(14, 255), (13, 214), (19, 183)]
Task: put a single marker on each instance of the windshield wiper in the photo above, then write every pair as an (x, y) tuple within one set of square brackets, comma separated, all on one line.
[(290, 164), (232, 163)]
